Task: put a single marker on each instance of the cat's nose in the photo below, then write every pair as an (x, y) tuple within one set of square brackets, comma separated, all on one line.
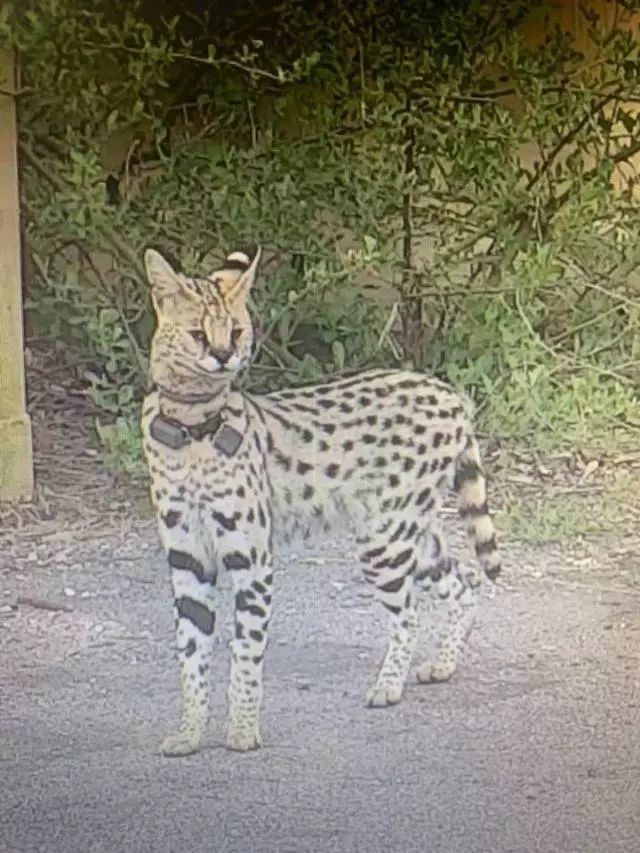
[(222, 355)]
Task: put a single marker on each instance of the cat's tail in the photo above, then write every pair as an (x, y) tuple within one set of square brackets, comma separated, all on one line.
[(470, 486)]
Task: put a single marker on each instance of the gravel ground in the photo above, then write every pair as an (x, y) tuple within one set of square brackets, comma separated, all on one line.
[(534, 747)]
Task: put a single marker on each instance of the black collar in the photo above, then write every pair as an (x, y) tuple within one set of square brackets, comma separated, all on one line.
[(175, 435)]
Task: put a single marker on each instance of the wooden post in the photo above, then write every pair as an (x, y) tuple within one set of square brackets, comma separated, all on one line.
[(16, 461)]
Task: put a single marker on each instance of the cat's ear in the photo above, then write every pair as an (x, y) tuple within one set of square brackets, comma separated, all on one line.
[(238, 260), (164, 281)]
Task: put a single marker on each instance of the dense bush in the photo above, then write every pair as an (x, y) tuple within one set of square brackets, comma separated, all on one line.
[(378, 158)]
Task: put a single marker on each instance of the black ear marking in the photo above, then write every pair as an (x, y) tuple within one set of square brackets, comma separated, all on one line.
[(235, 264), (241, 259)]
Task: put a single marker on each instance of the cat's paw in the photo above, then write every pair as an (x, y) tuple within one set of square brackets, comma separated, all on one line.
[(241, 740), (434, 673), (180, 743), (380, 697)]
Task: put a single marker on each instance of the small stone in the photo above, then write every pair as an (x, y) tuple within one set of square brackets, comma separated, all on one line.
[(69, 591), (98, 629)]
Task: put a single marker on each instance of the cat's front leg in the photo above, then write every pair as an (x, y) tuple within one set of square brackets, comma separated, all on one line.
[(193, 579)]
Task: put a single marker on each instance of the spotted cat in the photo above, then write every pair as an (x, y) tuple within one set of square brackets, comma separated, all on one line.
[(231, 471)]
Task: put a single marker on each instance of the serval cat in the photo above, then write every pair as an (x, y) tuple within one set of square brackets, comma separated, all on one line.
[(230, 469)]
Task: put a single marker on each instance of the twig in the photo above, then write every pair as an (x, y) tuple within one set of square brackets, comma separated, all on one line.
[(188, 57), (568, 138), (43, 603)]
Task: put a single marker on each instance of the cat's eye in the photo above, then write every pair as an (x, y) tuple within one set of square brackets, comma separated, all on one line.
[(236, 334), (198, 335)]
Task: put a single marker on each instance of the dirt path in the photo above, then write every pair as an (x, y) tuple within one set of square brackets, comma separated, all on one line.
[(535, 745)]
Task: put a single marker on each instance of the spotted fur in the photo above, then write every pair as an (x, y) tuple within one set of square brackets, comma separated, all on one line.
[(379, 448)]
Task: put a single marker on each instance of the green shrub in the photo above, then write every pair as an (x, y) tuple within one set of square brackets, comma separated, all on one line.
[(377, 157)]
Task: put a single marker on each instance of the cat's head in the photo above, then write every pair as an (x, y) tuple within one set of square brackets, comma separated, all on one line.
[(203, 329)]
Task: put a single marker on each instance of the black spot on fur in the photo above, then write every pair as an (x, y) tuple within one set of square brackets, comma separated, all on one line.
[(347, 445), (373, 553), (307, 492), (486, 547), (411, 532), (404, 503), (466, 471), (392, 585), (197, 613), (400, 558), (332, 470), (303, 468), (235, 561), (326, 403), (243, 604), (258, 636), (171, 518), (282, 460), (223, 520), (398, 531), (185, 562), (474, 511)]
